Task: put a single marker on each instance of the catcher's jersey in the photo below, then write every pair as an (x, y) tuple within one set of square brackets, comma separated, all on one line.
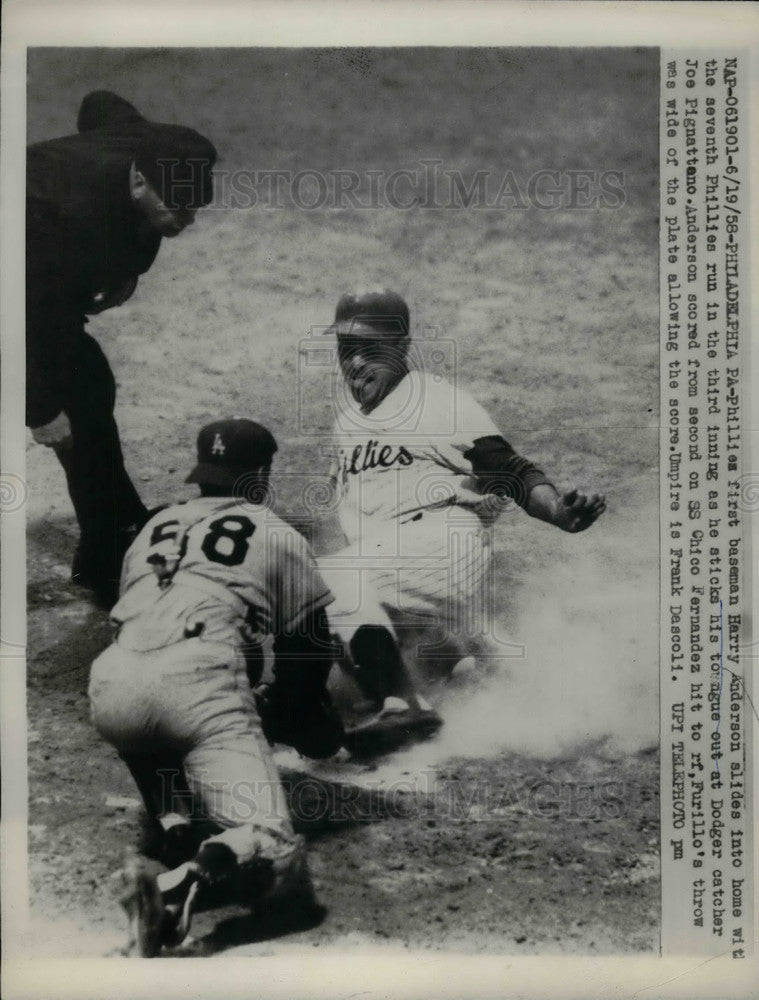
[(215, 568), (407, 455)]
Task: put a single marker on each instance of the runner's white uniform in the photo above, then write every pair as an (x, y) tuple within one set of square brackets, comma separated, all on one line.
[(176, 680), (417, 528)]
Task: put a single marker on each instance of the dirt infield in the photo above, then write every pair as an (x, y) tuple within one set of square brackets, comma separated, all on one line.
[(531, 823)]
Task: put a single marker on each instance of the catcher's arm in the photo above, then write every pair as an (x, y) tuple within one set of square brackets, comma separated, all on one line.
[(296, 709)]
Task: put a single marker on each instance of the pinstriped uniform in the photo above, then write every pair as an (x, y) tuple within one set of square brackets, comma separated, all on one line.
[(417, 528)]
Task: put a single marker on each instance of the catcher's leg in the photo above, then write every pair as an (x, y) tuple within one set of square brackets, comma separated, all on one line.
[(256, 859), (256, 855), (162, 783), (122, 693)]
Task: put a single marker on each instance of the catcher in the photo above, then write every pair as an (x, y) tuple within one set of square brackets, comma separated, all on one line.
[(218, 597)]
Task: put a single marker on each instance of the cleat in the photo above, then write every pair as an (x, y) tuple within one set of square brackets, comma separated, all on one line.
[(157, 918), (401, 721), (143, 904), (178, 919)]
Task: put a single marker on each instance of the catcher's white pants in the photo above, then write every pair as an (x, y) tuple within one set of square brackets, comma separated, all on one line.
[(193, 701), (427, 572)]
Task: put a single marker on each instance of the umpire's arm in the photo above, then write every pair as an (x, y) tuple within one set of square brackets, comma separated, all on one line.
[(53, 325)]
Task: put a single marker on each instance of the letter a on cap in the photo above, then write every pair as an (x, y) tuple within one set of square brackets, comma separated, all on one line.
[(218, 445)]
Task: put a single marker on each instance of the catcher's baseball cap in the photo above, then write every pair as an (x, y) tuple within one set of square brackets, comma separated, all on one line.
[(228, 449), (377, 315)]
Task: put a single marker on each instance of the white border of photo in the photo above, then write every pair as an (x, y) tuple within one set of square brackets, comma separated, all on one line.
[(296, 971)]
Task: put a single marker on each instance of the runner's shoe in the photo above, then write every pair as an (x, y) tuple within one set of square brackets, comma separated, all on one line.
[(399, 722)]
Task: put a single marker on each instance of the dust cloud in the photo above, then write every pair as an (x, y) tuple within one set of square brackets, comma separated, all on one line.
[(587, 672)]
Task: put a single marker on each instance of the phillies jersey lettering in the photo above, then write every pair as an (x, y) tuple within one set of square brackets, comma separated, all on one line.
[(212, 567), (371, 455), (407, 455)]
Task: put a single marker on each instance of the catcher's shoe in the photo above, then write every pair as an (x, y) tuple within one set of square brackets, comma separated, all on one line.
[(273, 883), (157, 918), (399, 722)]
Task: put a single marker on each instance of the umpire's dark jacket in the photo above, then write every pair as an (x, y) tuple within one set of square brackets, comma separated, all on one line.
[(87, 243), (84, 239)]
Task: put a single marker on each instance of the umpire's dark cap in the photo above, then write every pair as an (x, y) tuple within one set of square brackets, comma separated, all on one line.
[(176, 160), (105, 111), (228, 449), (373, 315)]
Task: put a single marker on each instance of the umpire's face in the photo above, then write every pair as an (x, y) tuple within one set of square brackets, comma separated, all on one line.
[(372, 368), (167, 221)]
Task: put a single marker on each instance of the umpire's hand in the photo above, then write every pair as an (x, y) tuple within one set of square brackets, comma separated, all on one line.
[(56, 434)]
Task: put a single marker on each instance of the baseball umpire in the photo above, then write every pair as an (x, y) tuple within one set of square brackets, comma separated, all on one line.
[(98, 204), (221, 647), (422, 473)]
